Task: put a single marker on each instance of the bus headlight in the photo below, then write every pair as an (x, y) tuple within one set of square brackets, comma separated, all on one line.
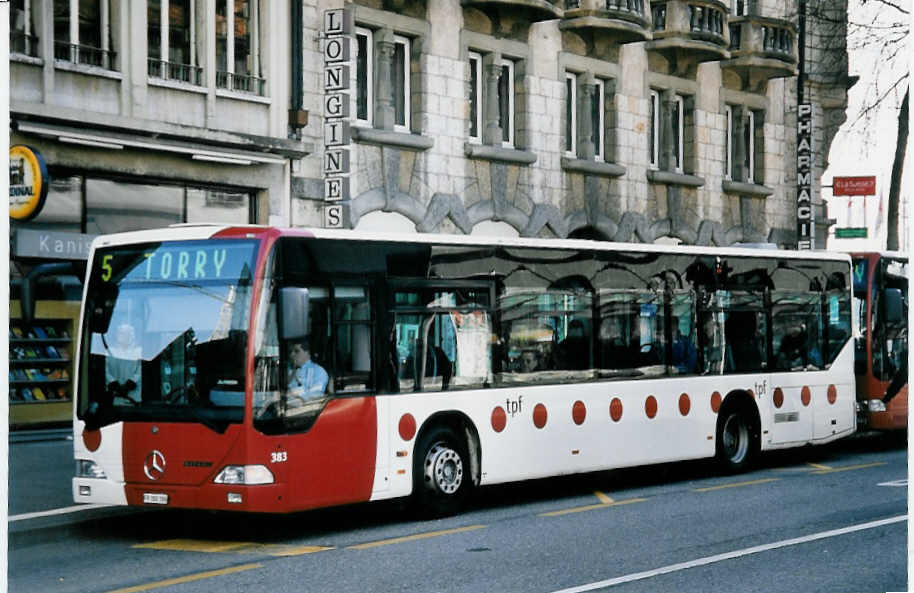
[(248, 475), (876, 405), (89, 469)]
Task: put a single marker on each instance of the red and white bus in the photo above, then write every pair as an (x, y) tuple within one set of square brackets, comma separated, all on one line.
[(448, 363), (881, 332)]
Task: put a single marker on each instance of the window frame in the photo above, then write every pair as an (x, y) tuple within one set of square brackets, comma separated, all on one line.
[(678, 116), (728, 172), (165, 63), (509, 117), (229, 75), (571, 119), (368, 93), (475, 95), (599, 125), (74, 48), (735, 7), (405, 64), (653, 147), (749, 163)]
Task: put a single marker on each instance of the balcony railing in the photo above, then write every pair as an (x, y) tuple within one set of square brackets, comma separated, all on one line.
[(174, 71), (21, 43), (762, 47), (634, 7), (690, 31), (618, 21), (240, 82), (84, 54)]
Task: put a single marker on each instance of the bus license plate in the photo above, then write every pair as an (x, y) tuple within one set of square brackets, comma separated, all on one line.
[(155, 498)]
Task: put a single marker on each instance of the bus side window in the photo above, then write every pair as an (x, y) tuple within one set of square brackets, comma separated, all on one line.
[(353, 330)]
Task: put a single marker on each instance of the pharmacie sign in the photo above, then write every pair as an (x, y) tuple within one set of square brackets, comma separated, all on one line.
[(28, 182), (337, 135), (805, 214)]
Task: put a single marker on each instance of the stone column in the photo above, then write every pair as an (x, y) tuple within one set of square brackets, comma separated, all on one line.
[(738, 140), (667, 150), (587, 88), (491, 72), (384, 115)]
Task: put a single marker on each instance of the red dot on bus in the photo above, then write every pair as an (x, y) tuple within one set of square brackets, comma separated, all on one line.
[(805, 395), (92, 439), (407, 427), (778, 397), (579, 412), (832, 394), (715, 402), (650, 406), (499, 419), (684, 404), (615, 409), (539, 416)]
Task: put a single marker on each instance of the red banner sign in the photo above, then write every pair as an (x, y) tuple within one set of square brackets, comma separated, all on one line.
[(854, 186)]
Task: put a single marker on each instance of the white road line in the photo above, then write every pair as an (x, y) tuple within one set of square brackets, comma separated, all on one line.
[(60, 511), (638, 576)]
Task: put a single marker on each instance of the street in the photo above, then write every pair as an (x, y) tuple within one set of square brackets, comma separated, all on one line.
[(825, 519)]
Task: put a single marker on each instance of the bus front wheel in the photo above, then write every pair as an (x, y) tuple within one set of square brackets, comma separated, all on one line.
[(442, 472), (736, 440)]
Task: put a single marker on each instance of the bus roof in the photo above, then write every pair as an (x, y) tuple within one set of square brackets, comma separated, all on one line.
[(188, 232)]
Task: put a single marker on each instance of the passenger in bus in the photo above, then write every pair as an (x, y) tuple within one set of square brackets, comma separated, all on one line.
[(123, 368), (617, 351), (573, 352), (685, 356), (530, 361), (308, 379)]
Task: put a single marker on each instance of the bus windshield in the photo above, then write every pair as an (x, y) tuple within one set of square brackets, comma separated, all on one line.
[(166, 333)]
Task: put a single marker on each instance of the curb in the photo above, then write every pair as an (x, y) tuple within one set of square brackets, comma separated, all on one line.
[(34, 436)]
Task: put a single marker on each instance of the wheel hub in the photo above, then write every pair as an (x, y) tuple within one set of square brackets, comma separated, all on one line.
[(443, 469)]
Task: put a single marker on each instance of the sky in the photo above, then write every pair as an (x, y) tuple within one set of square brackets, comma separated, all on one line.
[(869, 150)]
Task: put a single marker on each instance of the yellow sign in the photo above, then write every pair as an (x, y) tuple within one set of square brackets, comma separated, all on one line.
[(28, 182)]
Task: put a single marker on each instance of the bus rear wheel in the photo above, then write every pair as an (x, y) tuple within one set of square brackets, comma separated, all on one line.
[(441, 475), (736, 440)]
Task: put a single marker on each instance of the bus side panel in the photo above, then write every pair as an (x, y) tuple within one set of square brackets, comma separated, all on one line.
[(334, 462), (895, 416)]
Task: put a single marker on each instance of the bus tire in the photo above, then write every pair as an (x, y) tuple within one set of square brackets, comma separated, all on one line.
[(441, 472), (737, 439)]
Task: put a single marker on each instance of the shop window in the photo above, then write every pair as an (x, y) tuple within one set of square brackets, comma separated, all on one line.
[(81, 32), (114, 206), (208, 205), (62, 209), (238, 46), (22, 28), (172, 40)]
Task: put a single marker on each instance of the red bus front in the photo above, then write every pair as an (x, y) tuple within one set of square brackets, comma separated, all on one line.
[(180, 397)]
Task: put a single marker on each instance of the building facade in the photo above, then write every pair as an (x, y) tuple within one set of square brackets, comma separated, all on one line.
[(623, 120)]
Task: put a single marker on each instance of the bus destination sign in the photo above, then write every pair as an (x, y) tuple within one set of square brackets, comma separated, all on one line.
[(177, 262)]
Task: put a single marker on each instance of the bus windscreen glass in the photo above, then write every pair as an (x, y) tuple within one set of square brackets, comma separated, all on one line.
[(166, 333)]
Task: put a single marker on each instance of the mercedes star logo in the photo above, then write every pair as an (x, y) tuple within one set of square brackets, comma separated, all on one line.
[(154, 466)]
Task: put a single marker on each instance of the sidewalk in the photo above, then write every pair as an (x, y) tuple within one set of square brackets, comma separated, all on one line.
[(40, 487)]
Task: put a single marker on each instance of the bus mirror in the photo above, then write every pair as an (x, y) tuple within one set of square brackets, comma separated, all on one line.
[(894, 308), (103, 307), (293, 306)]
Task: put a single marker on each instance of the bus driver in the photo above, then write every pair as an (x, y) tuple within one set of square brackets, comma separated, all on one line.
[(308, 379)]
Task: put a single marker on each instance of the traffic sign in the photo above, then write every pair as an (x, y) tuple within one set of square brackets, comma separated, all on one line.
[(851, 233)]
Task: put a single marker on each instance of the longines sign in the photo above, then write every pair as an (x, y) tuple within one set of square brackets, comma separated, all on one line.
[(337, 43)]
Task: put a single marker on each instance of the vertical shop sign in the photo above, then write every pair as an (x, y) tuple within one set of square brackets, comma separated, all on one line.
[(805, 215), (337, 135)]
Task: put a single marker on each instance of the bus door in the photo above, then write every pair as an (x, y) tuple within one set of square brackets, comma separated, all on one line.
[(320, 413)]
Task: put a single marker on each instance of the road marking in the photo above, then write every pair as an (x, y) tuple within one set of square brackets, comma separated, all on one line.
[(736, 485), (187, 579), (640, 576), (591, 507), (61, 511), (818, 466), (213, 547), (603, 498), (411, 538), (896, 483), (847, 468)]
